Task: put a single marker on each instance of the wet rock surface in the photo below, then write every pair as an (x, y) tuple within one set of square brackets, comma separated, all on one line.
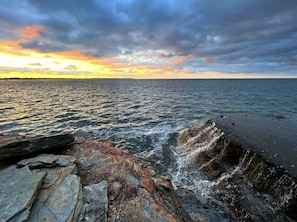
[(240, 183), (273, 138)]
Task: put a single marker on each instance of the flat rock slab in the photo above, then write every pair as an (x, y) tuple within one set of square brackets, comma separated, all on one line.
[(61, 204), (16, 146), (47, 161), (60, 193), (272, 138), (18, 190)]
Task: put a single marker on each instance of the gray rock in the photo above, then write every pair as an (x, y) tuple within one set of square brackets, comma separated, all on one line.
[(23, 146), (18, 189), (59, 196), (61, 204), (95, 203), (46, 161)]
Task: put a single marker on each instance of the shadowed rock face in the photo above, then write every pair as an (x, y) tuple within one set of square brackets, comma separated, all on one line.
[(132, 193), (17, 146), (244, 184)]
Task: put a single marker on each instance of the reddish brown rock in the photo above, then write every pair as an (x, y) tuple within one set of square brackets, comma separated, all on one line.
[(133, 195)]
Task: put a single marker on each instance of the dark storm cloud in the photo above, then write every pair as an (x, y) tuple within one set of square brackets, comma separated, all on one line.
[(225, 32), (15, 14), (45, 46), (164, 56)]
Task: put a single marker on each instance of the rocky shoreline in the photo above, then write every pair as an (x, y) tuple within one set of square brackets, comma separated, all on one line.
[(89, 180), (62, 178)]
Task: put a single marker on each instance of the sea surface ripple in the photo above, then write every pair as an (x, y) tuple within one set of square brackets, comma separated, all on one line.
[(137, 114)]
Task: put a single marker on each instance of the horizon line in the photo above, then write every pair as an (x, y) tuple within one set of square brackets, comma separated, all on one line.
[(119, 78)]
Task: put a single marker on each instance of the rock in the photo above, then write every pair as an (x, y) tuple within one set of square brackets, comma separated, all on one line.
[(95, 203), (60, 194), (8, 139), (275, 140), (241, 182), (16, 146), (18, 190), (61, 204), (46, 161), (280, 117), (167, 192), (112, 185), (132, 194)]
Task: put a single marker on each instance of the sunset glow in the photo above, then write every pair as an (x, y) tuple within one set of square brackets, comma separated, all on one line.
[(55, 42)]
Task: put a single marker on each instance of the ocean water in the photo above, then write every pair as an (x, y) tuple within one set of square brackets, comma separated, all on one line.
[(137, 114), (141, 115)]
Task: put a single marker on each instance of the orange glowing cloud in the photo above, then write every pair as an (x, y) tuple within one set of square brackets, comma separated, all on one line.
[(180, 59), (74, 55), (12, 48), (30, 32)]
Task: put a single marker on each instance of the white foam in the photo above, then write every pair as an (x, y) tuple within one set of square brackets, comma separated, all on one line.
[(176, 177)]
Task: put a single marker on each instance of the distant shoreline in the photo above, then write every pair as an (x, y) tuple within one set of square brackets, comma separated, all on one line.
[(17, 78)]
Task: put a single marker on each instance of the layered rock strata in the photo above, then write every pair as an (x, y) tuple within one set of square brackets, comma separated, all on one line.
[(242, 184)]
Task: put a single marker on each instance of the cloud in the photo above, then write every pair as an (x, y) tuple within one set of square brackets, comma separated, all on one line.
[(164, 56), (44, 45), (30, 32), (71, 67), (210, 34), (34, 64), (208, 60)]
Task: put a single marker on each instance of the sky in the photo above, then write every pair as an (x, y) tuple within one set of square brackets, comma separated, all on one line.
[(148, 39)]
